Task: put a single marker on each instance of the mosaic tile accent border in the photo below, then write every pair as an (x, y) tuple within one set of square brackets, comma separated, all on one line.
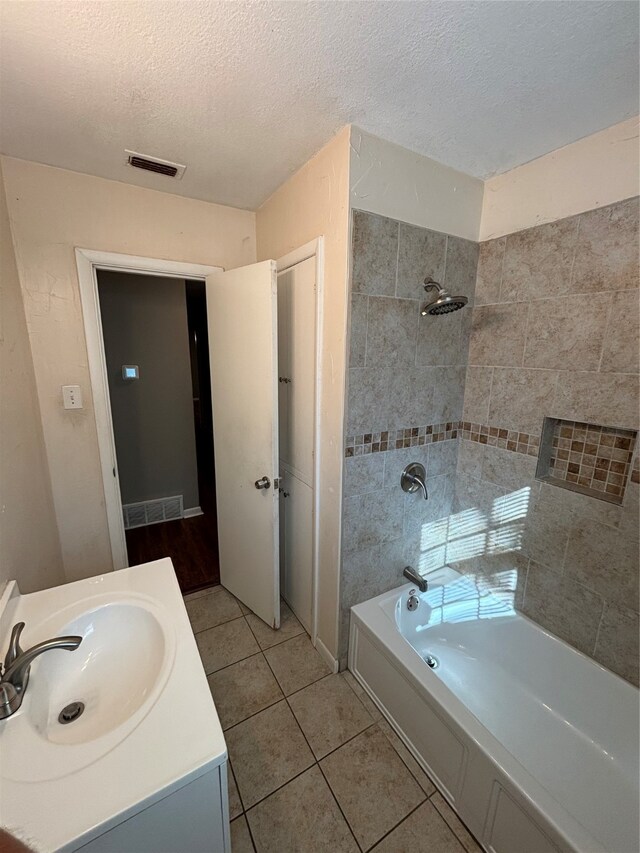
[(507, 439), (377, 442), (394, 439), (596, 459)]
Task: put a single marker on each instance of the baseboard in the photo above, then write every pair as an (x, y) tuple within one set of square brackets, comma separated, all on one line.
[(191, 512), (326, 655)]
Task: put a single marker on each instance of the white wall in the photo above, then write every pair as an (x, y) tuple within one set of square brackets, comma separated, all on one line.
[(395, 182), (314, 203), (53, 211), (596, 171), (29, 544)]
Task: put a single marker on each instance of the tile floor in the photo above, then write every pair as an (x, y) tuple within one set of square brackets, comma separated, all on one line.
[(314, 767)]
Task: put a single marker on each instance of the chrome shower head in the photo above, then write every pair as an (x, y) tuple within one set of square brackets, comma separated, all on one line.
[(444, 303)]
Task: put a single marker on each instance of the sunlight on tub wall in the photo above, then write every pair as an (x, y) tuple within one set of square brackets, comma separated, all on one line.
[(475, 532)]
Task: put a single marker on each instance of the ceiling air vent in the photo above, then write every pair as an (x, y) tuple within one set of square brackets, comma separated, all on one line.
[(154, 164)]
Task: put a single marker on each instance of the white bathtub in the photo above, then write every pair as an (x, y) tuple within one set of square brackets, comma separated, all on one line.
[(533, 743)]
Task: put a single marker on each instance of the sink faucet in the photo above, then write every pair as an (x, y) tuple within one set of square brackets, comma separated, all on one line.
[(415, 578), (14, 676)]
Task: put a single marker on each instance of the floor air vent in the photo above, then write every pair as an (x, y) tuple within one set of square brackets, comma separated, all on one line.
[(154, 164), (152, 512)]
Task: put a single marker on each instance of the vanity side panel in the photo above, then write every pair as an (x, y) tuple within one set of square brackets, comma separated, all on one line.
[(191, 820)]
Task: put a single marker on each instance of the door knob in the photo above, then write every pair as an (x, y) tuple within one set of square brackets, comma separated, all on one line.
[(263, 483)]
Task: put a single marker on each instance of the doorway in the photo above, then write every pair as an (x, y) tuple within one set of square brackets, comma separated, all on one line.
[(242, 326), (154, 330)]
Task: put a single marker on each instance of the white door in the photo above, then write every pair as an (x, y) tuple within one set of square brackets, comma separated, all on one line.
[(243, 341)]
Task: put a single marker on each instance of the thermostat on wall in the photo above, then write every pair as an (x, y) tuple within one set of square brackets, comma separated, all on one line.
[(130, 371)]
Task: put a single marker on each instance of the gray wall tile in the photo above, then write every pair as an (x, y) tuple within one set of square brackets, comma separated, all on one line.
[(538, 261), (564, 607), (521, 397), (489, 278), (358, 330), (421, 254), (566, 333), (498, 334), (621, 352), (507, 469), (618, 640), (372, 519), (607, 249), (375, 254), (461, 267), (610, 399), (392, 331), (363, 474), (477, 394)]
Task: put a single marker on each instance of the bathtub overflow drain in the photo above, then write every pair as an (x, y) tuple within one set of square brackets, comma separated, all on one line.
[(70, 712), (432, 661)]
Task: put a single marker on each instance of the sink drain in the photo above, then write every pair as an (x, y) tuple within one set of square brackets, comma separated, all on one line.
[(432, 661), (70, 712)]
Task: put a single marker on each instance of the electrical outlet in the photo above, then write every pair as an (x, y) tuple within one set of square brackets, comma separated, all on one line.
[(71, 397)]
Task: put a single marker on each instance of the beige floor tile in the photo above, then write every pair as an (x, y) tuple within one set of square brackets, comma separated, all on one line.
[(296, 664), (329, 714), (372, 785), (416, 771), (207, 611), (267, 637), (243, 689), (235, 804), (455, 824), (240, 838), (243, 607), (362, 695), (424, 831), (302, 817), (267, 750), (225, 644), (191, 596)]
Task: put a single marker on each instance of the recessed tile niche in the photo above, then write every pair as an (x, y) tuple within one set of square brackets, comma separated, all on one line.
[(587, 458)]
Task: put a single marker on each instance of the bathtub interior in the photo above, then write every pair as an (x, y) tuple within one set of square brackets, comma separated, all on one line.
[(563, 718)]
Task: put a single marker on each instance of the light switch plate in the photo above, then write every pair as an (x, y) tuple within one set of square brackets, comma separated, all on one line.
[(72, 396)]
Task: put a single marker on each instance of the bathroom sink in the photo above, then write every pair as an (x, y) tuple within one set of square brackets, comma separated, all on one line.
[(114, 675), (124, 738)]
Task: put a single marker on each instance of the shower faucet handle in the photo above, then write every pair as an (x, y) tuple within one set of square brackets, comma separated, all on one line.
[(413, 478)]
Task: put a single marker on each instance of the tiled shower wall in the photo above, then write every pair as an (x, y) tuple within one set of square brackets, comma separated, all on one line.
[(555, 333), (406, 385)]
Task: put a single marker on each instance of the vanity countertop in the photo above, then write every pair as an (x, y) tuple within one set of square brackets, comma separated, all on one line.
[(149, 726)]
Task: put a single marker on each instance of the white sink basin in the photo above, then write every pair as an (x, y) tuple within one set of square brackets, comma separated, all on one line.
[(65, 783), (123, 660)]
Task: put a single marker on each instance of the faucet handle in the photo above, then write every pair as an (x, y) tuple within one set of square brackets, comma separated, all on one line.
[(14, 649)]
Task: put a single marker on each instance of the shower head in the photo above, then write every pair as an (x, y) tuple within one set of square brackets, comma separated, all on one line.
[(444, 303)]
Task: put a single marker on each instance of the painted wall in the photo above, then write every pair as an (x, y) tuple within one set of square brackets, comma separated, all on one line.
[(593, 172), (314, 203), (395, 182), (555, 333), (29, 543), (406, 385), (144, 322), (53, 211)]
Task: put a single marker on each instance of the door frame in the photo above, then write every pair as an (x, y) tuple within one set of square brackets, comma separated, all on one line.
[(88, 262), (313, 249)]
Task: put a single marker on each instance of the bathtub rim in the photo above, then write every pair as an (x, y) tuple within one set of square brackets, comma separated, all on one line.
[(400, 653)]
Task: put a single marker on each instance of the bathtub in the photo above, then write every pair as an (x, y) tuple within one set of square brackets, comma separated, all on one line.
[(534, 744)]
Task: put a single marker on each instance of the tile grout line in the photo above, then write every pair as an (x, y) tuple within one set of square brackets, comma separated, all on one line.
[(393, 828)]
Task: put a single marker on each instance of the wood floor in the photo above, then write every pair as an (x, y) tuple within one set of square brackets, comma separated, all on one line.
[(192, 544)]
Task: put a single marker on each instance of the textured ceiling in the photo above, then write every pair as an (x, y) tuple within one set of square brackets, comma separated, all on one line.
[(245, 92)]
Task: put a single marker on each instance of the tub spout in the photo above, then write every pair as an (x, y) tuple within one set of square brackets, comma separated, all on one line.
[(415, 578)]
